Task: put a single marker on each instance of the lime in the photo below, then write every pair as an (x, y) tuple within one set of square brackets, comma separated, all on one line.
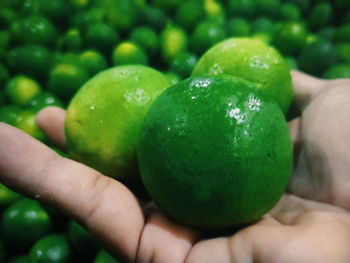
[(37, 30), (44, 99), (343, 51), (238, 27), (292, 62), (7, 196), (79, 4), (32, 60), (153, 17), (342, 33), (253, 152), (101, 36), (10, 114), (183, 64), (246, 8), (320, 15), (205, 35), (316, 57), (337, 71), (56, 10), (83, 19), (65, 80), (262, 24), (53, 248), (104, 257), (104, 118), (146, 38), (21, 89), (252, 60), (92, 61), (71, 40), (122, 14), (82, 240), (289, 12), (214, 11), (303, 5), (173, 40), (24, 222), (268, 7), (172, 77), (327, 33), (189, 14), (290, 37), (128, 52), (27, 123)]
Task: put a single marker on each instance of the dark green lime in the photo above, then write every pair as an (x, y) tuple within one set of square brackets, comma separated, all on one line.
[(32, 60), (44, 99), (253, 152), (82, 240), (24, 222), (316, 57), (53, 248)]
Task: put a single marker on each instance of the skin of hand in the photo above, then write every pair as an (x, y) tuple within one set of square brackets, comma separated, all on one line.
[(311, 222)]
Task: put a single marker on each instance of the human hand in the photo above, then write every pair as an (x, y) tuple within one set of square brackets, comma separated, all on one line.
[(298, 229)]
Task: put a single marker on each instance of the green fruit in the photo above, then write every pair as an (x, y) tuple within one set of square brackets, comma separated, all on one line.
[(183, 64), (101, 36), (21, 89), (44, 99), (145, 37), (66, 79), (24, 222), (32, 60), (82, 240), (205, 35), (173, 40), (104, 118), (338, 71), (53, 248), (92, 61), (251, 60), (37, 30), (7, 196), (290, 37), (27, 123), (127, 53), (316, 57), (215, 152), (10, 114), (104, 257)]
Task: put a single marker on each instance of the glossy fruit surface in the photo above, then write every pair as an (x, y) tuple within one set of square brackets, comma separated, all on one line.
[(231, 118)]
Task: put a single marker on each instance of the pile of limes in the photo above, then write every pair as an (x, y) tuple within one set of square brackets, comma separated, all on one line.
[(50, 49)]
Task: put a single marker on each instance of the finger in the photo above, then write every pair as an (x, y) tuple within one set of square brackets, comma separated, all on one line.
[(51, 122), (295, 130), (107, 208), (326, 143), (305, 88), (164, 240)]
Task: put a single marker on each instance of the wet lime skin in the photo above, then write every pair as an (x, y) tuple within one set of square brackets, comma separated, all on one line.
[(215, 153)]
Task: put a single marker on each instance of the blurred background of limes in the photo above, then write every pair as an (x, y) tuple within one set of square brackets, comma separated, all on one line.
[(49, 49)]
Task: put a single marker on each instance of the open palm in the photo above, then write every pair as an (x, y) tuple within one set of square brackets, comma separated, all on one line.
[(311, 222)]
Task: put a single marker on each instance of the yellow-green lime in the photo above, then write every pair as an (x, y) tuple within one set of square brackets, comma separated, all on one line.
[(104, 117), (251, 60), (21, 89), (128, 52), (215, 152)]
